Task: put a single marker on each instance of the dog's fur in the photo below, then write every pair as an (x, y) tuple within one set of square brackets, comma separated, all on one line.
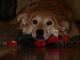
[(42, 18)]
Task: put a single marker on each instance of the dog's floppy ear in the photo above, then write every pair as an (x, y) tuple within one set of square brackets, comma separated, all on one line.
[(64, 24), (24, 23), (22, 20)]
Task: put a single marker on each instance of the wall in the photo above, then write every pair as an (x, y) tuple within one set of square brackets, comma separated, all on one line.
[(75, 5), (22, 3)]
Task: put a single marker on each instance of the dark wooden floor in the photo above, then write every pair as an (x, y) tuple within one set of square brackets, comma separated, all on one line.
[(71, 52)]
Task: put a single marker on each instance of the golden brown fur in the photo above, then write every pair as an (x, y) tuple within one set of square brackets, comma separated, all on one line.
[(50, 15)]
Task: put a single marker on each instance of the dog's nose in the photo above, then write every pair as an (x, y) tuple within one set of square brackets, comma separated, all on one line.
[(40, 32)]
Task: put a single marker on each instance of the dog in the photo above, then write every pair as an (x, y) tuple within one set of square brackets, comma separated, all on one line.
[(42, 18)]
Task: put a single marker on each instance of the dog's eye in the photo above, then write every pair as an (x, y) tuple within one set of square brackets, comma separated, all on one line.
[(35, 21), (49, 23)]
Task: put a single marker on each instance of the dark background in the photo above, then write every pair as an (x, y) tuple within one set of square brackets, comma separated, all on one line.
[(7, 10)]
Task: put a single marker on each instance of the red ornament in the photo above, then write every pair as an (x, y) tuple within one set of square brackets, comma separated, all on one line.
[(53, 39), (40, 43), (11, 43), (65, 38)]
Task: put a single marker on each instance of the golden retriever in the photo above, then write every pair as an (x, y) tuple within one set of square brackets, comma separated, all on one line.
[(42, 18)]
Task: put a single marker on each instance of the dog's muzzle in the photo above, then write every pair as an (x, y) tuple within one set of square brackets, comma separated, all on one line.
[(39, 34)]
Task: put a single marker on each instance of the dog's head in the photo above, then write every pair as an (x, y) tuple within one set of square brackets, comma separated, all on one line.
[(42, 24)]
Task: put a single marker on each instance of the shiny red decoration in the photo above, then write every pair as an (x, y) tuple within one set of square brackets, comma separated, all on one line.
[(40, 43), (65, 38), (11, 43), (53, 39)]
